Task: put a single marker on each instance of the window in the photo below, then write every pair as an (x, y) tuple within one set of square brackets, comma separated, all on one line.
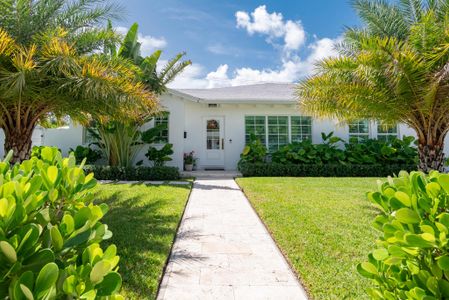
[(359, 130), (386, 132), (213, 135), (301, 128), (255, 125), (162, 120), (277, 131)]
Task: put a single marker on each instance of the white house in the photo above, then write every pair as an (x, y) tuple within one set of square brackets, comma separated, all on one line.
[(215, 124)]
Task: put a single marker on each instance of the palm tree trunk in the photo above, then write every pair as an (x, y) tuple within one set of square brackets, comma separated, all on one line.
[(431, 157), (19, 142)]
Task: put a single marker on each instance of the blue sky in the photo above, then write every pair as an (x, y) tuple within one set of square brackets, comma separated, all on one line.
[(240, 42)]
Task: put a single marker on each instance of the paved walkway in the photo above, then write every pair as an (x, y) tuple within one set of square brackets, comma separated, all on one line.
[(223, 251)]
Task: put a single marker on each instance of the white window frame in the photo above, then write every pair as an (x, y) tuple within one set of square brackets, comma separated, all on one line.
[(156, 123), (396, 135), (358, 135), (289, 126)]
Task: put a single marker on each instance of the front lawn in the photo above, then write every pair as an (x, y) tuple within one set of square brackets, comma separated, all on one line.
[(143, 219), (323, 225)]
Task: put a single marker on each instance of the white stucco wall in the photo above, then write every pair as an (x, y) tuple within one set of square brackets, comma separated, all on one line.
[(234, 120), (188, 116)]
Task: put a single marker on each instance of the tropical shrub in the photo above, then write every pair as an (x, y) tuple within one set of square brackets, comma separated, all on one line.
[(368, 152), (160, 156), (372, 151), (305, 152), (411, 260), (50, 232), (254, 151), (81, 153), (139, 173), (119, 142)]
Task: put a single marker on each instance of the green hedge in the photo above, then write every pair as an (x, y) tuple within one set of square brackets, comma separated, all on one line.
[(133, 173), (326, 170)]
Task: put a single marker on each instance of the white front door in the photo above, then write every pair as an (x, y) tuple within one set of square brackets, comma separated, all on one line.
[(214, 138)]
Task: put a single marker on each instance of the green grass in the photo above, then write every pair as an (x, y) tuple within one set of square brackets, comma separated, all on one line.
[(143, 220), (323, 225)]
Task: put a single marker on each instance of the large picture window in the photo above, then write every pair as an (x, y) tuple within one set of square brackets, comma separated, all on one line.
[(386, 132), (359, 130), (277, 131), (162, 120)]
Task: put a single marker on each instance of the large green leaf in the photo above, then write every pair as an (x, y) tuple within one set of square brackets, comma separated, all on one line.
[(407, 216)]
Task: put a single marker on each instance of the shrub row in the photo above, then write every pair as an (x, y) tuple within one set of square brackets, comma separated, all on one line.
[(327, 170), (133, 173)]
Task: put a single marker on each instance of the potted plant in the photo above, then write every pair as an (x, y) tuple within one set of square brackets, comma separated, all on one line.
[(189, 161)]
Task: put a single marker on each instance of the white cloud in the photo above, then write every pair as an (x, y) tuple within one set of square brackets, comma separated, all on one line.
[(218, 78), (148, 43), (273, 25), (297, 59), (291, 69)]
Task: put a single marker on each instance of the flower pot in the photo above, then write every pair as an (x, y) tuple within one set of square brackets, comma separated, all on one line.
[(188, 167)]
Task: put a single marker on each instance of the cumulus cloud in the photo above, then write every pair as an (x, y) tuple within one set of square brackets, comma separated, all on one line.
[(148, 43), (297, 59), (291, 69), (273, 26)]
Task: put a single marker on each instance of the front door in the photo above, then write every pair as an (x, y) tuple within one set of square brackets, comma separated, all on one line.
[(214, 138)]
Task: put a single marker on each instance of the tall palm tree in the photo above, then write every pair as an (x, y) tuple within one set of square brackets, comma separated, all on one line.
[(395, 68), (49, 78), (45, 70), (83, 20)]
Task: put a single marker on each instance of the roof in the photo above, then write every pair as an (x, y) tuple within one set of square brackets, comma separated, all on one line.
[(266, 92)]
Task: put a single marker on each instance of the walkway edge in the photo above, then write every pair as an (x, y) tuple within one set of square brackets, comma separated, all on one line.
[(296, 274)]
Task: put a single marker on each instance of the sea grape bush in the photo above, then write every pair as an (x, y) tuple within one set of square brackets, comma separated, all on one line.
[(254, 151), (333, 150), (82, 152), (373, 151), (50, 232), (411, 260), (307, 153)]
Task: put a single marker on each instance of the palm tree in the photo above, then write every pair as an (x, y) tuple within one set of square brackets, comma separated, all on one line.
[(394, 69), (48, 78), (120, 141), (25, 20), (155, 80)]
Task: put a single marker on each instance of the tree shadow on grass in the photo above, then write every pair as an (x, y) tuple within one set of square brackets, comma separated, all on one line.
[(143, 232)]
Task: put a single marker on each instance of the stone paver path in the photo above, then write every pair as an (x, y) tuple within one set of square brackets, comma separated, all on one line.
[(223, 251)]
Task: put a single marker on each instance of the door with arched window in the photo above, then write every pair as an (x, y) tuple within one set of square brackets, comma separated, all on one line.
[(214, 142)]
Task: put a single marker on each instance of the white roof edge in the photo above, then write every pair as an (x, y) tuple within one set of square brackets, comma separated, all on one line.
[(184, 95)]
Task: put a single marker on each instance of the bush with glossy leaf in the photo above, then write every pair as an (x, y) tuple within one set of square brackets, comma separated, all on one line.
[(411, 260), (82, 152), (254, 151), (50, 232)]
